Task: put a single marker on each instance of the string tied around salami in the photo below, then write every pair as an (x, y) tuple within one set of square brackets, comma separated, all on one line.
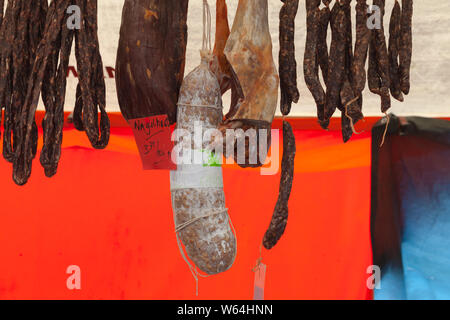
[(187, 223), (197, 105)]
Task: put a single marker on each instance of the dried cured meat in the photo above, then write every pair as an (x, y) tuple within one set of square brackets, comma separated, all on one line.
[(151, 57)]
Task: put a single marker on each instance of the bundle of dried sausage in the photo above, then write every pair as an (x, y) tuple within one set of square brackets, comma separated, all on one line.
[(344, 69), (20, 33), (151, 57), (249, 51), (50, 78)]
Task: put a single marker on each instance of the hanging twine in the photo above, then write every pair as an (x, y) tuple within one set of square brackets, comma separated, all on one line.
[(259, 260), (388, 117), (206, 43), (352, 125), (191, 267)]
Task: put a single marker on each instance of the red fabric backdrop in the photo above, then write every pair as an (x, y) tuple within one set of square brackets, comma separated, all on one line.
[(105, 214)]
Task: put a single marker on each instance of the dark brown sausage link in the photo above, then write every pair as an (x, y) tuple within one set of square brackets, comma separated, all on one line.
[(351, 109), (287, 62), (310, 69), (394, 38), (406, 44), (322, 47), (346, 127), (373, 79), (336, 63), (280, 214), (56, 44), (48, 97), (363, 36), (91, 85), (8, 35), (54, 121), (36, 28), (2, 7), (78, 110), (382, 60), (345, 5), (351, 101)]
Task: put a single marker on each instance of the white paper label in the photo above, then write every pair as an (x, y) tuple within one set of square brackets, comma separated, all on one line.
[(189, 176)]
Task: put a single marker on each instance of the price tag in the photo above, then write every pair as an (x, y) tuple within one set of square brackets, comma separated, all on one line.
[(152, 136), (260, 279)]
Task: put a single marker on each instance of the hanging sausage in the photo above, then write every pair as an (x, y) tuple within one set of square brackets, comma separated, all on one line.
[(405, 52), (363, 36), (21, 30), (287, 63), (393, 51), (380, 61), (35, 61), (322, 46), (198, 201), (336, 63), (280, 215), (351, 101), (310, 61)]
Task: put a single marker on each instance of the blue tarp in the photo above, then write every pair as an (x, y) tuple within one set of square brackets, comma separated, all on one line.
[(411, 209)]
